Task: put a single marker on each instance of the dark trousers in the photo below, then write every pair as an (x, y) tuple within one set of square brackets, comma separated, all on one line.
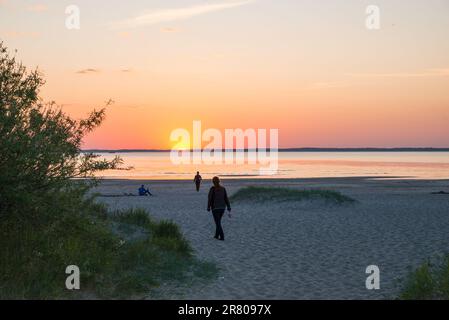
[(218, 214), (197, 186)]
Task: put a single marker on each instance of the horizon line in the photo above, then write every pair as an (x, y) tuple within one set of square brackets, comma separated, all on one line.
[(298, 149)]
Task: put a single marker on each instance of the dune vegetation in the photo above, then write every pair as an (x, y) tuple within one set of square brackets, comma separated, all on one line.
[(48, 221), (254, 193), (430, 281)]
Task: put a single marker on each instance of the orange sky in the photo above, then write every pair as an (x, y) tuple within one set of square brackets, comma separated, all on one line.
[(312, 70)]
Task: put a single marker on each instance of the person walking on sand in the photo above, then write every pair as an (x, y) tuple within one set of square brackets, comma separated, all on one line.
[(218, 201), (197, 181)]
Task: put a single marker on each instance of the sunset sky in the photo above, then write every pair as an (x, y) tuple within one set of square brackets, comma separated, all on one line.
[(308, 68)]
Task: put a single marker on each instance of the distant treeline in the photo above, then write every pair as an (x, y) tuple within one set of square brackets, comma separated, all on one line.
[(425, 149)]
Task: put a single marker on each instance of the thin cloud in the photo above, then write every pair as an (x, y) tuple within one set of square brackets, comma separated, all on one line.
[(93, 71), (88, 71), (442, 72), (166, 15)]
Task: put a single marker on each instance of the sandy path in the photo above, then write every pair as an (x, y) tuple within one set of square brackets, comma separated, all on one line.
[(301, 250)]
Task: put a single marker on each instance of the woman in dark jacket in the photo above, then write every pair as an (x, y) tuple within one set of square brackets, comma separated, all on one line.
[(218, 201)]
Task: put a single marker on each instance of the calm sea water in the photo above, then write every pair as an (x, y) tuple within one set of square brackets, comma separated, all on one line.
[(421, 165)]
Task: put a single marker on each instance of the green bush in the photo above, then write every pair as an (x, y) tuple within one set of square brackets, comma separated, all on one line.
[(430, 281), (47, 218), (34, 256)]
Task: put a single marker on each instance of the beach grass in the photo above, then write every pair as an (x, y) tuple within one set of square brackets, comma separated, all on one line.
[(134, 216), (430, 281), (160, 254), (164, 234), (254, 193), (112, 264)]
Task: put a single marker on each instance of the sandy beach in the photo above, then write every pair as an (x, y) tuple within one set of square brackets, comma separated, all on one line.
[(301, 250)]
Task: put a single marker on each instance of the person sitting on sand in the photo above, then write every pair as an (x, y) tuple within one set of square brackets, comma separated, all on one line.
[(218, 201), (197, 181), (144, 192)]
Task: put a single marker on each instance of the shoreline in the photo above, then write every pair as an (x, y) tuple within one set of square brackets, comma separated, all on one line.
[(398, 149), (281, 180)]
